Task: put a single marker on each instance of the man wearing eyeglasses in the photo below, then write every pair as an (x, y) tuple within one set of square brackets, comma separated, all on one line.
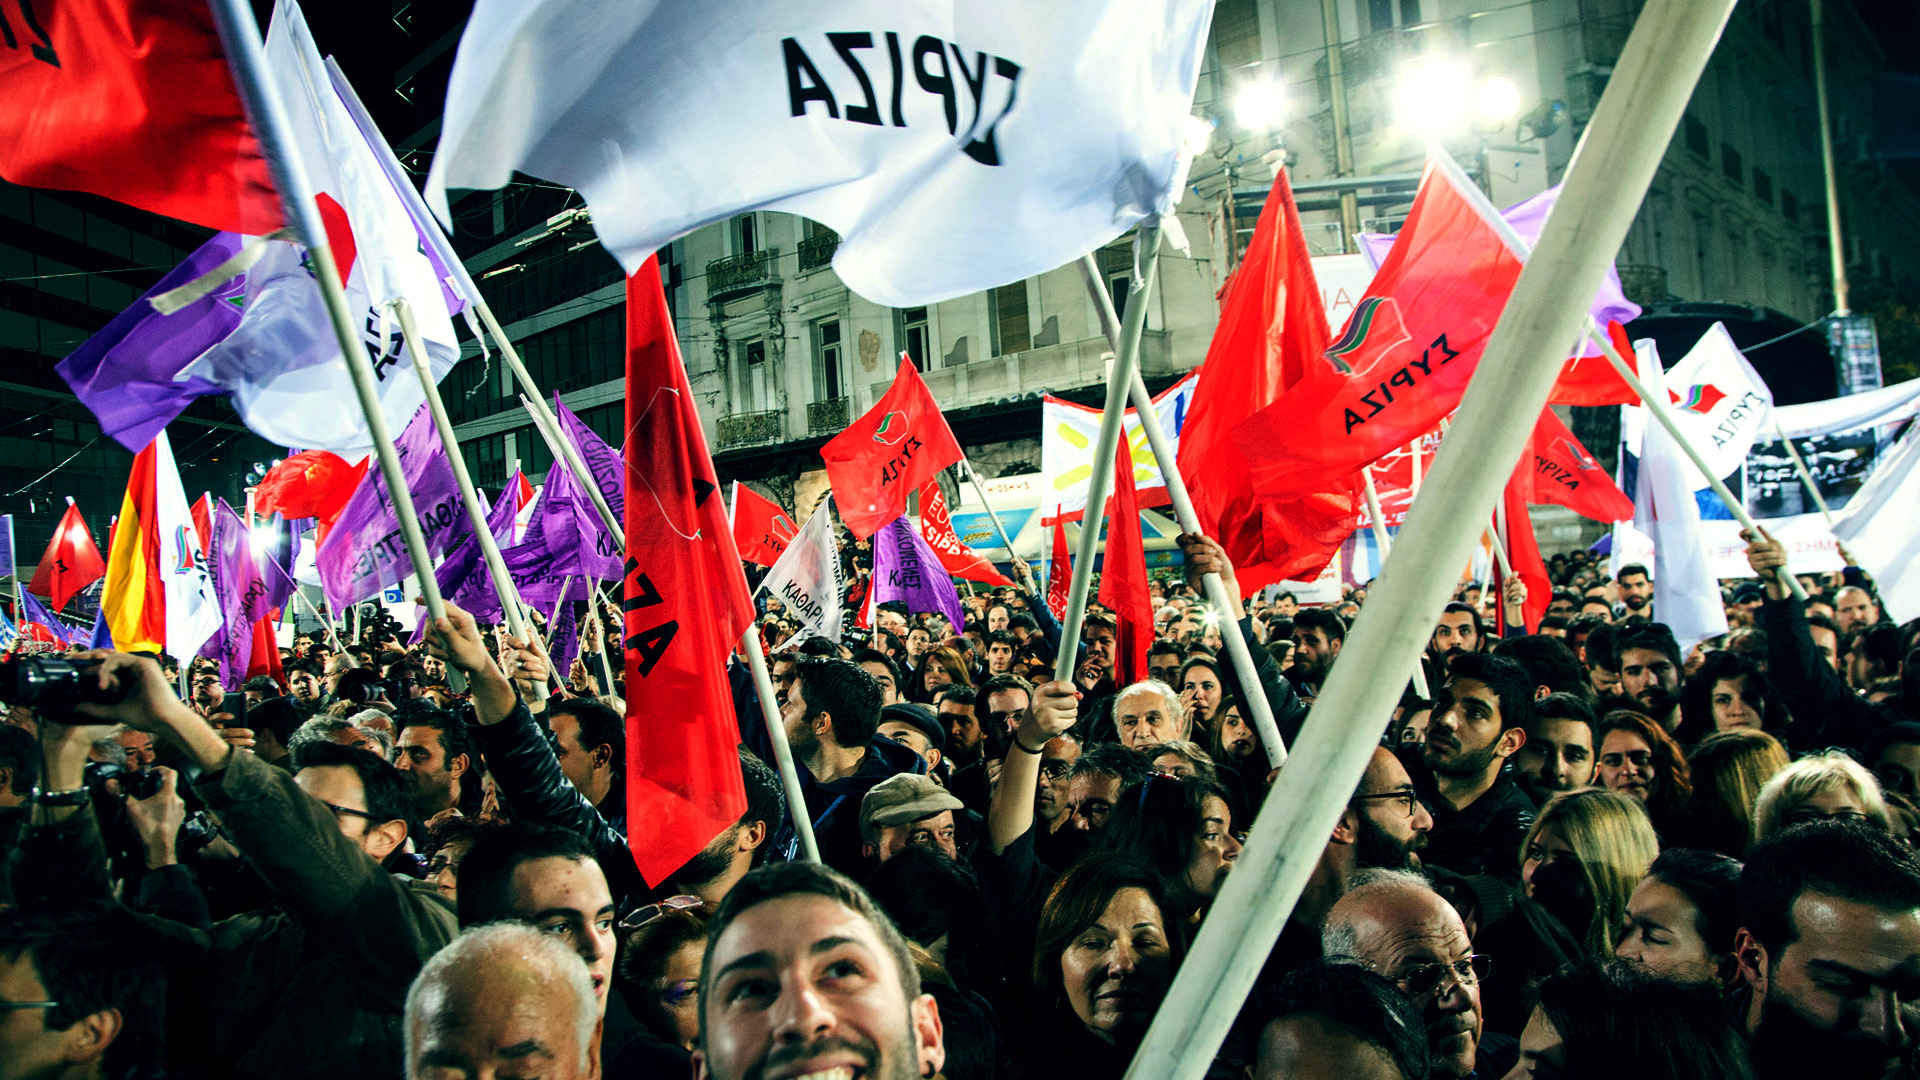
[(1394, 924)]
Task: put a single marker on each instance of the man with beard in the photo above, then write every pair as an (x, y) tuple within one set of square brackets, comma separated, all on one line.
[(1603, 664), (1854, 608), (831, 717), (1558, 754), (1649, 665), (805, 976), (1830, 949), (1396, 926), (1318, 635), (1636, 589), (1459, 632), (1479, 720), (1095, 674), (433, 753)]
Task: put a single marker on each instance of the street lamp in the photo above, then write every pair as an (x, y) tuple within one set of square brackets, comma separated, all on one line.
[(1439, 96), (1259, 106)]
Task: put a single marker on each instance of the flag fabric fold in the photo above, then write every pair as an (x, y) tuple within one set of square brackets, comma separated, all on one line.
[(1123, 575), (936, 525), (158, 596), (1272, 332), (1557, 469), (366, 551), (1720, 402), (70, 563), (34, 616), (686, 603), (132, 101), (1686, 594), (945, 166), (1060, 573), (1523, 554), (310, 484), (882, 457), (808, 578), (761, 529), (1877, 527), (238, 583), (907, 569)]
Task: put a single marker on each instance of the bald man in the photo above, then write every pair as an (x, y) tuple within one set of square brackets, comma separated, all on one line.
[(1395, 925), (503, 999)]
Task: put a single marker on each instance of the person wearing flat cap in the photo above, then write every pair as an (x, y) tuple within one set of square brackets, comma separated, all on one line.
[(904, 810)]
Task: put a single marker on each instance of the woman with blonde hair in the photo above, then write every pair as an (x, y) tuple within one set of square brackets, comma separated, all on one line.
[(1582, 858), (1829, 785), (1729, 769)]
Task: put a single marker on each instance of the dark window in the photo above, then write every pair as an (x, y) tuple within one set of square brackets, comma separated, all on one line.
[(1731, 164), (1379, 16), (826, 360), (1409, 12), (1011, 333), (1763, 186), (746, 235), (1789, 206), (1695, 134), (910, 331)]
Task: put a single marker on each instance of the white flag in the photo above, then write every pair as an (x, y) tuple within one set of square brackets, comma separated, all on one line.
[(282, 363), (193, 609), (1878, 528), (808, 580), (1720, 402), (954, 146), (1067, 435), (1686, 594)]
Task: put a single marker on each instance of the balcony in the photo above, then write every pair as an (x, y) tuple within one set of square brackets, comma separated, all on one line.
[(827, 417), (737, 275), (1644, 284), (816, 252), (746, 429)]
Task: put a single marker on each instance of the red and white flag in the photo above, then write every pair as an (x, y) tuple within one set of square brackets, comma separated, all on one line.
[(955, 556), (899, 444), (687, 606), (1557, 469), (1060, 574), (761, 530), (1123, 575)]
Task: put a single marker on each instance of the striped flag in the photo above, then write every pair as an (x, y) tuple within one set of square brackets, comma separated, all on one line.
[(158, 594)]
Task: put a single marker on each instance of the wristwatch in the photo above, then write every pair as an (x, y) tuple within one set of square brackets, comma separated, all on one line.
[(72, 797)]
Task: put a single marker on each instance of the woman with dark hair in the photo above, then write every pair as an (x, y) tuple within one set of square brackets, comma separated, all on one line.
[(1182, 826), (1683, 917), (1728, 693), (1104, 955), (664, 946), (1601, 1020), (1638, 758), (942, 668)]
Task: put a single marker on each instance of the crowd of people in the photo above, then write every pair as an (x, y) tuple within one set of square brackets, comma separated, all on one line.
[(1586, 854)]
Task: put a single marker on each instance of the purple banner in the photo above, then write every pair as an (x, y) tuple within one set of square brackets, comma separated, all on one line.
[(463, 577), (906, 569), (365, 552), (33, 611), (563, 641), (242, 591)]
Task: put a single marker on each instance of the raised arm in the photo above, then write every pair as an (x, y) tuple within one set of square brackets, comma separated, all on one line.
[(1054, 710)]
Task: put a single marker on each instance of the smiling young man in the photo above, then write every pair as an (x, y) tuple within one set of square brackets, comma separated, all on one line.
[(805, 976)]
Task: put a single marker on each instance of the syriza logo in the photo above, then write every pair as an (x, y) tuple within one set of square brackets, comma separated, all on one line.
[(893, 428), (1578, 454), (1700, 399)]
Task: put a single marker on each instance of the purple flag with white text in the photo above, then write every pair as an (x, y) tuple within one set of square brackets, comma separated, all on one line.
[(238, 583), (365, 551), (463, 577), (905, 568)]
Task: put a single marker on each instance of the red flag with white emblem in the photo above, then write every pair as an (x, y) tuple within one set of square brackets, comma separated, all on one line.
[(899, 444)]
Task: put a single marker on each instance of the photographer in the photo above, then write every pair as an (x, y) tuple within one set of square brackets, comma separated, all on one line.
[(316, 980)]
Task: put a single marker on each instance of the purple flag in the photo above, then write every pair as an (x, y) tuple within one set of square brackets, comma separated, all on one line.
[(33, 611), (563, 644), (603, 461), (566, 537), (365, 551), (463, 577), (238, 583), (905, 568), (125, 373), (1527, 219), (102, 636)]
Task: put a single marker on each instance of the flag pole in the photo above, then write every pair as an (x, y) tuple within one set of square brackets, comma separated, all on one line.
[(1385, 543), (431, 231), (606, 637), (777, 735), (315, 612), (240, 36), (1663, 413), (1259, 708), (1415, 466), (1806, 475), (476, 514), (1605, 184), (1019, 565), (1125, 361)]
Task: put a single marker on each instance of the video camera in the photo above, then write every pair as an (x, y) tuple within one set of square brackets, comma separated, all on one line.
[(53, 685)]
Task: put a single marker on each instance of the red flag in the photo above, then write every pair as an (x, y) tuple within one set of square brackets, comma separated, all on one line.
[(132, 100), (955, 556), (1557, 469), (1523, 552), (310, 484), (1408, 352), (202, 512), (1123, 574), (71, 561), (1591, 380), (761, 530), (265, 659), (898, 445), (1060, 576), (524, 492), (686, 604), (1272, 331)]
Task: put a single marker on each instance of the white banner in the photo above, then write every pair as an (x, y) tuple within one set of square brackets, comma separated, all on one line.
[(954, 147), (1067, 435), (808, 581), (1887, 405), (1878, 528)]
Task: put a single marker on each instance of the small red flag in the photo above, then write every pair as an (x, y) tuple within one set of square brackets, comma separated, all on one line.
[(523, 492), (1523, 552), (686, 604), (761, 530), (1272, 331), (1123, 574), (71, 562), (955, 556), (1408, 351), (1557, 469), (265, 659), (1060, 575), (310, 484), (898, 445), (1591, 380), (202, 512), (131, 100)]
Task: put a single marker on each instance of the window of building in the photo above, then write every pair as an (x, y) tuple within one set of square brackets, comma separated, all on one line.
[(1789, 206), (1381, 14), (1732, 164), (745, 232), (1763, 186), (1116, 266), (487, 460), (1236, 34), (911, 333), (1007, 310), (755, 393), (1695, 134), (827, 383)]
